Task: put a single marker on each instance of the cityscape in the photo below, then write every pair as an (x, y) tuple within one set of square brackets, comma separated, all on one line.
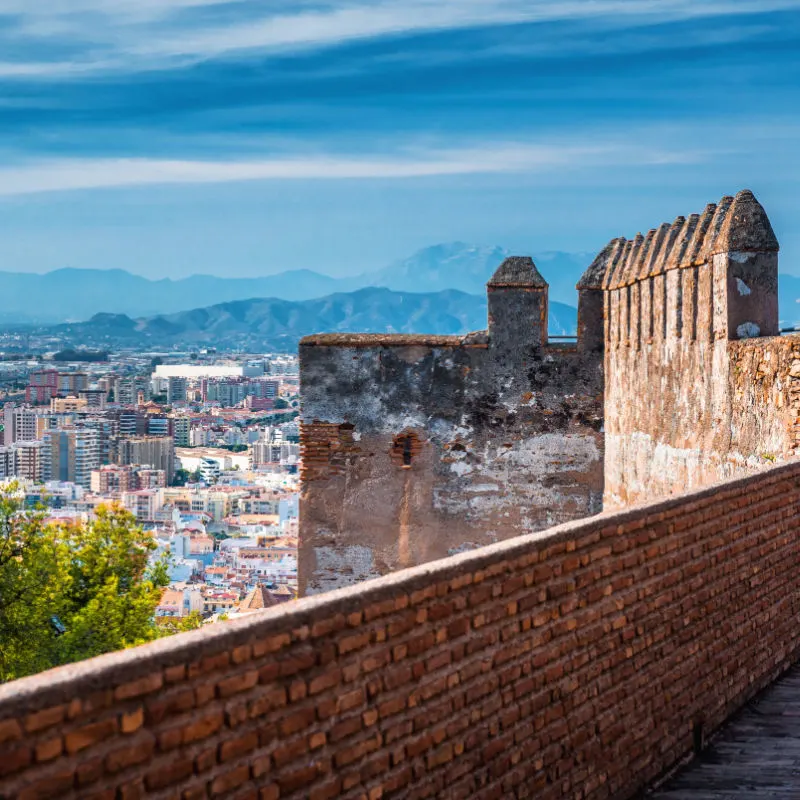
[(203, 452)]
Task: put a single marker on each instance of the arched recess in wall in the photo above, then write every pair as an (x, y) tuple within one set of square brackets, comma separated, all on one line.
[(406, 446)]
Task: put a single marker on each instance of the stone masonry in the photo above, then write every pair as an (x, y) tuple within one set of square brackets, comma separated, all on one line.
[(698, 385), (416, 447)]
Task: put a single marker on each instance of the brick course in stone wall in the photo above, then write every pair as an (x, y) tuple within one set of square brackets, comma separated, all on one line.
[(575, 662)]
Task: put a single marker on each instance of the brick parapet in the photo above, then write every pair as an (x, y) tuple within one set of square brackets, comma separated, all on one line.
[(570, 662)]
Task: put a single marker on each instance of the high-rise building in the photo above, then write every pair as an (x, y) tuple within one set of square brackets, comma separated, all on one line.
[(176, 390), (180, 430), (19, 424), (70, 454), (159, 425), (42, 385), (155, 451), (95, 398), (28, 460), (8, 462), (127, 390), (70, 383)]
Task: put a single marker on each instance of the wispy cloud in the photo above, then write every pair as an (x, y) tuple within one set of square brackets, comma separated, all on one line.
[(491, 158), (149, 34)]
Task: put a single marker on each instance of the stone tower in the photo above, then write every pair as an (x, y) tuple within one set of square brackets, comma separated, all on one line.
[(517, 300)]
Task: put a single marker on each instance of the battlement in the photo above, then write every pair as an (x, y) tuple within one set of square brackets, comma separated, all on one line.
[(709, 276), (698, 385), (577, 661), (734, 225)]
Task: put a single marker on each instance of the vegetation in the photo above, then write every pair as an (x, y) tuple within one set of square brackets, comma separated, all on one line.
[(80, 355), (69, 592)]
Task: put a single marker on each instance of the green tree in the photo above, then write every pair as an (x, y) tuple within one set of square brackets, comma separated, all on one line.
[(69, 592), (171, 625)]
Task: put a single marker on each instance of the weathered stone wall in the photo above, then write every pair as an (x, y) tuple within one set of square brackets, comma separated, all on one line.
[(577, 662), (416, 447), (691, 396)]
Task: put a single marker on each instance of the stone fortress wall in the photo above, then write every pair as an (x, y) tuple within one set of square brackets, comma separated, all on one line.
[(416, 447), (506, 431), (582, 661), (699, 387)]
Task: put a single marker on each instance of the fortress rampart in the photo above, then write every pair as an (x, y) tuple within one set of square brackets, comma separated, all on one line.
[(698, 386), (582, 661), (416, 447)]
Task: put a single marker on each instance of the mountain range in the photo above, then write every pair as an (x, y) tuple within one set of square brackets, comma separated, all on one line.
[(439, 289), (77, 294), (275, 324)]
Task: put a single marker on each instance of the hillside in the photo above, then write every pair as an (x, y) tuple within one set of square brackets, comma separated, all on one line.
[(272, 323)]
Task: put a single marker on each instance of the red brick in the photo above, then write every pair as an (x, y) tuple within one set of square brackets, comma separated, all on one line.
[(325, 681), (88, 735), (166, 704), (241, 654), (15, 759), (297, 721), (292, 781), (223, 784), (136, 751), (261, 765), (45, 718), (234, 748), (203, 727), (174, 771), (145, 685), (48, 787), (49, 749), (237, 683), (10, 730), (132, 720)]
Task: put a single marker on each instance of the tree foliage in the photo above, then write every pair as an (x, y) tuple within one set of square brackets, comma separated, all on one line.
[(71, 591)]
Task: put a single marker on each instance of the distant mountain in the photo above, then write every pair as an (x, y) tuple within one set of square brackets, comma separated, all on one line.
[(279, 324), (466, 267), (77, 294)]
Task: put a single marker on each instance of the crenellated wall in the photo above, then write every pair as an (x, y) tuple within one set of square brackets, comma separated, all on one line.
[(417, 447), (582, 661), (697, 384)]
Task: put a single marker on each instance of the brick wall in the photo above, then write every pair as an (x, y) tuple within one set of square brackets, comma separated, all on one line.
[(573, 662)]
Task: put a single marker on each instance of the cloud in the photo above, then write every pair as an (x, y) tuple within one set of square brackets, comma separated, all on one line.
[(150, 34), (490, 158)]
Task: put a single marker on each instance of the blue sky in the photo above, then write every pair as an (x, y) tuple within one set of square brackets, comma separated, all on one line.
[(170, 137)]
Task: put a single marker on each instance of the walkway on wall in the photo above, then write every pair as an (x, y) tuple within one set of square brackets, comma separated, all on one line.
[(756, 756)]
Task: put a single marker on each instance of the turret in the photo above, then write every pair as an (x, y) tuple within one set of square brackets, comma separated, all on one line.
[(746, 271), (591, 334), (517, 299)]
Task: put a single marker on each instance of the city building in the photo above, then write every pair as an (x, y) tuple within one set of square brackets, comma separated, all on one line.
[(65, 405), (155, 451), (181, 427), (176, 390), (70, 454), (19, 424)]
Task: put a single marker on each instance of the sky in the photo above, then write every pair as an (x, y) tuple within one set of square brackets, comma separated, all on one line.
[(173, 137)]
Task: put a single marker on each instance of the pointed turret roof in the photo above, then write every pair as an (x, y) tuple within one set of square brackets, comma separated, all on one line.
[(257, 599), (517, 271)]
